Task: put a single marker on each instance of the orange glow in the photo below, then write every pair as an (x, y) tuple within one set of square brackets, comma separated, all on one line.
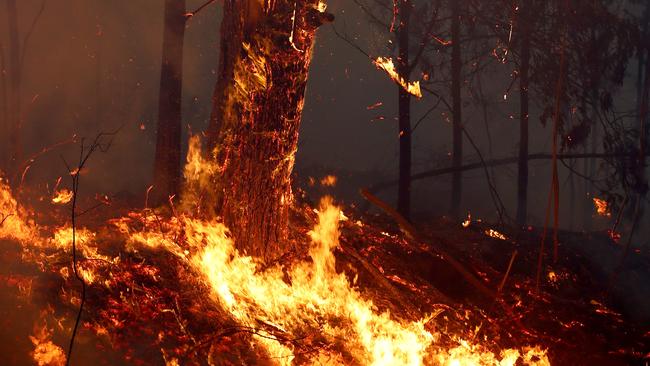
[(316, 296), (62, 197), (307, 297), (328, 181), (45, 352), (386, 64), (495, 234), (601, 207), (468, 221), (14, 218)]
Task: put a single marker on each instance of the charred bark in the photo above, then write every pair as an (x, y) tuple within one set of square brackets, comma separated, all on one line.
[(265, 55), (457, 154), (167, 163), (522, 174), (404, 112)]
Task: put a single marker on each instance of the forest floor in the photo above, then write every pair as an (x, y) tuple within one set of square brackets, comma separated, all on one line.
[(148, 307)]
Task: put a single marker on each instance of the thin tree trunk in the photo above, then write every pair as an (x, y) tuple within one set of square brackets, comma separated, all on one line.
[(595, 137), (98, 78), (457, 155), (4, 112), (14, 100), (167, 163), (643, 107), (266, 52), (404, 113), (643, 133), (522, 174)]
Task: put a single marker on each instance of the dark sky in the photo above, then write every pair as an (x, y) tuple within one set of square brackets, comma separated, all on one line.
[(93, 65)]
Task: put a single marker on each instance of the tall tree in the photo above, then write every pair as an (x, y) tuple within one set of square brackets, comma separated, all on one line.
[(4, 109), (167, 163), (14, 101), (404, 109), (266, 50), (456, 65), (522, 175)]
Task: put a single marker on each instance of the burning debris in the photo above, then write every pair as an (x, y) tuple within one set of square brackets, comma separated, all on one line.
[(305, 311)]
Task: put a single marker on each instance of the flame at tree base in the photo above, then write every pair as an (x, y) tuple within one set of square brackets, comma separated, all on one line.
[(312, 300), (307, 313)]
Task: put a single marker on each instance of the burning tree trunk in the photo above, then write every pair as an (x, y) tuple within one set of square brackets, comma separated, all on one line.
[(457, 155), (168, 139), (266, 50), (13, 105), (404, 112), (522, 175)]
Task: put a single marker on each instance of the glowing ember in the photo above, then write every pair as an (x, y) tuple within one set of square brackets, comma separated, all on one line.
[(386, 64), (328, 181), (601, 207), (495, 234), (62, 197), (467, 222)]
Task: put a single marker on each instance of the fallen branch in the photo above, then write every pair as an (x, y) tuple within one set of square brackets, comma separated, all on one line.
[(193, 13), (381, 281), (412, 232), (499, 162)]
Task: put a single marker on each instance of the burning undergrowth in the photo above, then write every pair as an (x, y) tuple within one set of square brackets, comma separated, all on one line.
[(169, 286), (166, 286)]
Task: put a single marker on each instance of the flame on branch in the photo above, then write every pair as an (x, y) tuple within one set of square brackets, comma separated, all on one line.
[(386, 64), (62, 197), (602, 209)]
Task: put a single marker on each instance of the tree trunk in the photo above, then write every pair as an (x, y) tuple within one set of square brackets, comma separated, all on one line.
[(404, 112), (167, 163), (14, 100), (4, 113), (265, 55), (457, 155), (522, 174)]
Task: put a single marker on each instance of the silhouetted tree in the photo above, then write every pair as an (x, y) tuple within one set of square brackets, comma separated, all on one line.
[(457, 122), (167, 163), (525, 23), (404, 10), (14, 113)]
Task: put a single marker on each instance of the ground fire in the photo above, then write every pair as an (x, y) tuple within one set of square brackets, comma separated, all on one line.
[(236, 251)]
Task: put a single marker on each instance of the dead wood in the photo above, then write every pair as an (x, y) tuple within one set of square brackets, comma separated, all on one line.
[(413, 233)]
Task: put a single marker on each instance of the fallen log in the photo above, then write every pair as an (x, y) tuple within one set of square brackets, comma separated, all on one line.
[(413, 233)]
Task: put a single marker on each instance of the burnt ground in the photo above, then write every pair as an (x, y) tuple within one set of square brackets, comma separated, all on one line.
[(581, 314)]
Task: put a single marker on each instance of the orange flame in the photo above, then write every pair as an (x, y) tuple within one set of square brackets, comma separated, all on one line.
[(386, 64), (328, 181), (601, 207), (495, 234), (62, 197), (45, 352)]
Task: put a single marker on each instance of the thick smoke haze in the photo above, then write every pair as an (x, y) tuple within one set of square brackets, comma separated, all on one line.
[(93, 66)]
